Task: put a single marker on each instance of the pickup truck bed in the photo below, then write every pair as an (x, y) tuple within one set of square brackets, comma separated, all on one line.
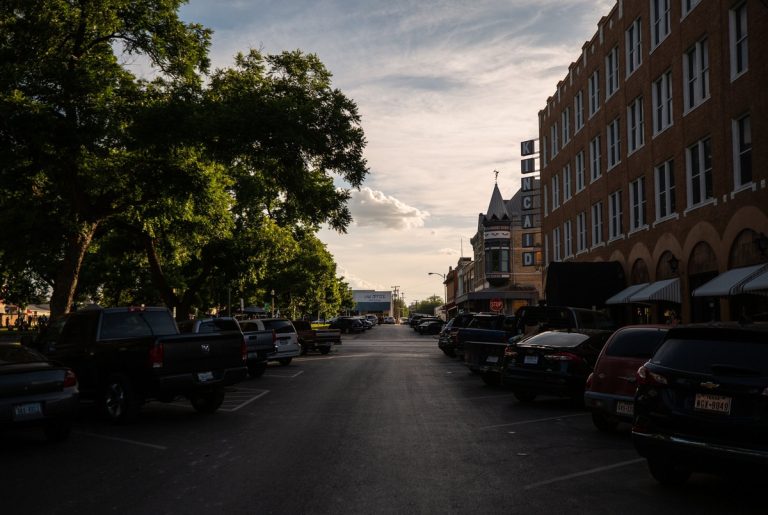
[(321, 340)]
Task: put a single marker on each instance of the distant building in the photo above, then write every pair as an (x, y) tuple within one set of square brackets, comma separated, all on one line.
[(653, 155), (371, 301)]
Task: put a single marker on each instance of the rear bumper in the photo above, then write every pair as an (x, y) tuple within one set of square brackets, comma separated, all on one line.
[(544, 382), (192, 381), (696, 453), (606, 403), (55, 405)]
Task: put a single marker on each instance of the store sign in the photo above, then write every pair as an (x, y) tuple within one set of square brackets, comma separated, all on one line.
[(529, 239), (528, 201), (529, 258), (528, 165), (527, 148), (497, 304)]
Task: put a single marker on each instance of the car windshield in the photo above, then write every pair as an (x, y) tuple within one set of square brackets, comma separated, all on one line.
[(635, 343), (728, 356)]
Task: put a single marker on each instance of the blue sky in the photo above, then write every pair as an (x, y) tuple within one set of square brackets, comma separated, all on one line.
[(447, 89)]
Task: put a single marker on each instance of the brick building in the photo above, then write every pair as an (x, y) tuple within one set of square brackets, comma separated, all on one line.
[(654, 155)]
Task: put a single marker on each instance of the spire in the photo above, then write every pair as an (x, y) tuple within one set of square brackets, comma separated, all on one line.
[(497, 209)]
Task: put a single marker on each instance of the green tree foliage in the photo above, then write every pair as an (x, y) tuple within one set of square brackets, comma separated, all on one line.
[(428, 305)]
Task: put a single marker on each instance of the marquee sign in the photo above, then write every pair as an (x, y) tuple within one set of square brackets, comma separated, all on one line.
[(527, 148)]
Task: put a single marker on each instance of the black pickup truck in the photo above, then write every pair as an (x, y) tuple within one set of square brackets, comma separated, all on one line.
[(124, 357)]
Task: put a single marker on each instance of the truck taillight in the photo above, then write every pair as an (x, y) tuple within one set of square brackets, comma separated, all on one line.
[(156, 356), (70, 379), (510, 351), (645, 376), (244, 349)]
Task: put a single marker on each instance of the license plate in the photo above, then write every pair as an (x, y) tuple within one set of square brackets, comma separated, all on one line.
[(492, 359), (531, 360), (625, 408), (712, 403), (27, 411), (204, 376)]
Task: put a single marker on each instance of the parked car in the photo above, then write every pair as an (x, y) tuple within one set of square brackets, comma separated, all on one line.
[(321, 340), (533, 319), (347, 324), (430, 326), (610, 391), (415, 319), (36, 392), (125, 356), (553, 363), (448, 335), (286, 338), (389, 320), (702, 402), (481, 344), (373, 319)]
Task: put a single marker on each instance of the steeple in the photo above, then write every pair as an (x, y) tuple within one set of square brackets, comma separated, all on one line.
[(497, 209)]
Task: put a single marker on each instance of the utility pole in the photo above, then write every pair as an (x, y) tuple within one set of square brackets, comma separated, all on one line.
[(395, 307)]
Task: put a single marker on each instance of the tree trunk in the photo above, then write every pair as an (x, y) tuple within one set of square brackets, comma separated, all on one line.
[(69, 271), (158, 277)]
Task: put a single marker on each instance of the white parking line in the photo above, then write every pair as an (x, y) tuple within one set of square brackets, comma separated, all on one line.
[(297, 374), (250, 398), (521, 422), (584, 473), (124, 440), (500, 396)]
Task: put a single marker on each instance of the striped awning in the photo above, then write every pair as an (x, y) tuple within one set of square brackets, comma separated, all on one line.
[(666, 290), (624, 295), (757, 284), (729, 283)]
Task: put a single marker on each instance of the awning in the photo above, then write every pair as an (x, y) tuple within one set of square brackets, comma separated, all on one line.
[(757, 284), (623, 296), (730, 282), (667, 290)]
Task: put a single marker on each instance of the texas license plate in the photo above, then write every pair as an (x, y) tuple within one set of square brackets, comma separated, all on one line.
[(27, 411), (530, 360), (204, 376), (712, 403), (492, 359), (625, 408)]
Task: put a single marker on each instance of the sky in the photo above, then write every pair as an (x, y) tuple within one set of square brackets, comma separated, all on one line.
[(447, 90)]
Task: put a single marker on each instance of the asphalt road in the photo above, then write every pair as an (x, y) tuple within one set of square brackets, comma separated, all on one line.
[(384, 424)]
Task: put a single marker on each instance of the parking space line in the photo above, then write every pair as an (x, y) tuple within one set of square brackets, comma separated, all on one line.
[(584, 473), (123, 440), (499, 396), (297, 374), (521, 422), (250, 397)]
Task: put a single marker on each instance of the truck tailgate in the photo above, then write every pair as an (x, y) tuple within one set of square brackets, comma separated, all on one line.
[(213, 352)]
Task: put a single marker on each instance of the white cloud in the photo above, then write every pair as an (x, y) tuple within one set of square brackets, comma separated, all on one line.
[(448, 252), (370, 207)]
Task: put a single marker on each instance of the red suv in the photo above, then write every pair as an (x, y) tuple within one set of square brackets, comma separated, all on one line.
[(610, 392)]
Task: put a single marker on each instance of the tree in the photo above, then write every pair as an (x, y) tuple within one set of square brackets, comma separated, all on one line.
[(428, 305), (67, 106)]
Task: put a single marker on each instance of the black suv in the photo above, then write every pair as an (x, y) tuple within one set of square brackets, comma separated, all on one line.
[(702, 402)]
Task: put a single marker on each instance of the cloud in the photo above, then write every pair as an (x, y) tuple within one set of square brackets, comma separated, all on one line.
[(448, 252), (370, 207)]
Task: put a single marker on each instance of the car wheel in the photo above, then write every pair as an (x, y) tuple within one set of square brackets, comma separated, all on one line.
[(524, 397), (285, 361), (492, 379), (603, 423), (207, 402), (58, 430), (257, 369), (119, 400), (666, 472), (325, 350)]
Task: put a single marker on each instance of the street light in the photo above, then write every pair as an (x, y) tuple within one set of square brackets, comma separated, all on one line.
[(445, 291)]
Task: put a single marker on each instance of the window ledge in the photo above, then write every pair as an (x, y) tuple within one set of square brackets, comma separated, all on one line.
[(692, 109), (673, 216), (736, 76), (592, 181), (614, 165), (708, 202), (583, 251), (749, 186), (616, 238), (639, 148), (662, 131), (597, 245), (644, 227)]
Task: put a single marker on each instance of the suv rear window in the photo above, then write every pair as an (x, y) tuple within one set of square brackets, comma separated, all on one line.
[(280, 326), (635, 343), (721, 356)]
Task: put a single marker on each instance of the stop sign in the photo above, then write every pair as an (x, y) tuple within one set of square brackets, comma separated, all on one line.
[(497, 304)]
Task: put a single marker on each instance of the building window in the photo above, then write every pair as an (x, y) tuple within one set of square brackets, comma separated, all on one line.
[(635, 125), (578, 112), (568, 238), (544, 152), (614, 215), (662, 102), (738, 35), (581, 232), (553, 135), (660, 26), (567, 189), (546, 201), (555, 192), (597, 223), (497, 260), (566, 121), (634, 46), (594, 159), (594, 93), (688, 5), (665, 190), (580, 171), (699, 170), (742, 151), (556, 244), (614, 143), (696, 74), (637, 204), (612, 72)]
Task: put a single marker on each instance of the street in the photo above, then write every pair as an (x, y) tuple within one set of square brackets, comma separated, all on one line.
[(383, 424)]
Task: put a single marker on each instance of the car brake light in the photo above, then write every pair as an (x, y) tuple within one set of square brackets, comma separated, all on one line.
[(70, 379), (645, 376), (510, 352), (563, 356), (156, 356)]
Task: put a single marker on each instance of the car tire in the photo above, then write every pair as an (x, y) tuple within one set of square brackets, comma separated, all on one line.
[(207, 402), (666, 472), (257, 369), (285, 361), (524, 397), (57, 430), (324, 350), (492, 379), (603, 423), (120, 403)]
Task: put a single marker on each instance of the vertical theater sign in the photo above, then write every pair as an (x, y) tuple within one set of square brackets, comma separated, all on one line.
[(531, 219)]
